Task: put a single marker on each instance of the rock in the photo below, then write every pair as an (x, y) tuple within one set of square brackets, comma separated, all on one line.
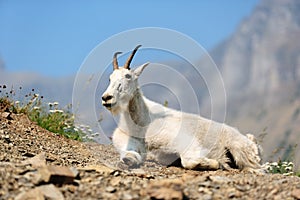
[(110, 189), (7, 115), (36, 161), (115, 181), (219, 179), (34, 194), (41, 193), (57, 174), (296, 193), (6, 138), (165, 189), (51, 192), (34, 177), (98, 168)]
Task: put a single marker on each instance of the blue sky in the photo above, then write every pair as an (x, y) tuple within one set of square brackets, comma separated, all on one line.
[(53, 37)]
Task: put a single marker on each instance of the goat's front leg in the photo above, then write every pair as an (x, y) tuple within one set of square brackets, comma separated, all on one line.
[(132, 149)]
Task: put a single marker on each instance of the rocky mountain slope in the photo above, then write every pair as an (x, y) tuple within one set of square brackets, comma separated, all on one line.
[(37, 164)]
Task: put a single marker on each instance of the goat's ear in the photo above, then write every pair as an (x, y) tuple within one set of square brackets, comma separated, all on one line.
[(140, 69)]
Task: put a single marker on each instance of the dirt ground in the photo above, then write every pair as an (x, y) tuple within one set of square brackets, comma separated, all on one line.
[(37, 164)]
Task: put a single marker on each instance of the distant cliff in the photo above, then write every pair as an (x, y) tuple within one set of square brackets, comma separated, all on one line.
[(260, 65), (2, 65)]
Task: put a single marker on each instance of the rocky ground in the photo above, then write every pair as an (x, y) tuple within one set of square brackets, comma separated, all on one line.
[(37, 164)]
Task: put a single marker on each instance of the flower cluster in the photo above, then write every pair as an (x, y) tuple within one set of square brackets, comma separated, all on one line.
[(52, 118), (87, 131), (285, 168)]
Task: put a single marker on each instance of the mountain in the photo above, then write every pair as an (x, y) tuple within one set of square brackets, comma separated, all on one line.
[(2, 65), (260, 66)]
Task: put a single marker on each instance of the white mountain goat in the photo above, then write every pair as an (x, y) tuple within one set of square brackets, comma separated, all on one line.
[(145, 125)]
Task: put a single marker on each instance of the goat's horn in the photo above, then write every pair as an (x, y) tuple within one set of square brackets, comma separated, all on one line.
[(115, 60), (127, 64)]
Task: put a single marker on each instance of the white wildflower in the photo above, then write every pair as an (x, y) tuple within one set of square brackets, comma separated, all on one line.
[(36, 108), (95, 134), (274, 164), (90, 130)]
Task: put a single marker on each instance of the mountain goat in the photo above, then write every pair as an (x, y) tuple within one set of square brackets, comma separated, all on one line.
[(145, 125)]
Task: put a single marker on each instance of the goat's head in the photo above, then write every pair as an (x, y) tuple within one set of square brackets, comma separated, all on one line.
[(123, 84)]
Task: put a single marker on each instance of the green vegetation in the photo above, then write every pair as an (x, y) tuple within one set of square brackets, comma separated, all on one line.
[(285, 168), (49, 116)]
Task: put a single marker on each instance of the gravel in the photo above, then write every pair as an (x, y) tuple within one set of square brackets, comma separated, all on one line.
[(90, 171)]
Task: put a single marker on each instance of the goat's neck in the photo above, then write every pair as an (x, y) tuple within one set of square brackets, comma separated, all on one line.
[(137, 113)]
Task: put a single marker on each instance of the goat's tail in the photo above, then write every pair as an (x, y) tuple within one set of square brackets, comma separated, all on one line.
[(246, 154)]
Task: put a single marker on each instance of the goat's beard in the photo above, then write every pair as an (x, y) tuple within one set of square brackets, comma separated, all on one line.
[(121, 105), (115, 110)]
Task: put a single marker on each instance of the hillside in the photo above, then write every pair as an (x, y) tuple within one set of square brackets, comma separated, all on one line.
[(38, 164)]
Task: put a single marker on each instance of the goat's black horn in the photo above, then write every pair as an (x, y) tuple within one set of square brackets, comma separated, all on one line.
[(127, 64)]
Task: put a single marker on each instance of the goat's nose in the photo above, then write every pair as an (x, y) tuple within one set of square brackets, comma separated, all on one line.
[(106, 97)]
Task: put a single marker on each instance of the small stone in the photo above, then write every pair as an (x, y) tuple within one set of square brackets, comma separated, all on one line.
[(35, 194), (296, 193), (117, 173), (204, 190), (128, 196), (74, 171), (115, 181), (219, 179), (110, 189), (36, 161), (232, 192), (57, 174), (165, 189), (243, 188), (98, 168), (51, 192), (207, 197), (7, 139), (34, 177), (7, 115)]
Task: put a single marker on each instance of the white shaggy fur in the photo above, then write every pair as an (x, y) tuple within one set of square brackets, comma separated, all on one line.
[(145, 125)]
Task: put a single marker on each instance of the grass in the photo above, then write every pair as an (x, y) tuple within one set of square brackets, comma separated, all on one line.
[(47, 115)]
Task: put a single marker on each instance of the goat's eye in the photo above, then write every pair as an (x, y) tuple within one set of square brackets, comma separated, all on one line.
[(128, 76)]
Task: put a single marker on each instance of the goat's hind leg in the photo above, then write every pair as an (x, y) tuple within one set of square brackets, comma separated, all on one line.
[(199, 163), (132, 150), (202, 164)]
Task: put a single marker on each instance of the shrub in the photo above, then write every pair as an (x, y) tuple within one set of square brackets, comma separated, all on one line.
[(48, 116)]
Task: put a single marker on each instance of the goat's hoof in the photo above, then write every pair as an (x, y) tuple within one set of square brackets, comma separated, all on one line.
[(122, 166), (131, 162)]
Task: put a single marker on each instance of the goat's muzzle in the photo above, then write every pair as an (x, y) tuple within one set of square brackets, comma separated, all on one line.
[(108, 101)]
